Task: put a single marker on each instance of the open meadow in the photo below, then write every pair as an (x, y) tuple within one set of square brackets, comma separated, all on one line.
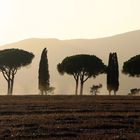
[(70, 117)]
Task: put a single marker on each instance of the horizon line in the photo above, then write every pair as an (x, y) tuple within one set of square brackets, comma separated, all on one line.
[(47, 38)]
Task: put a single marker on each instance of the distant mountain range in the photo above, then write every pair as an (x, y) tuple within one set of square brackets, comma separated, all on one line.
[(26, 81)]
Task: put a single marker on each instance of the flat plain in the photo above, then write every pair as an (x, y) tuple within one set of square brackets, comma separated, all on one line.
[(70, 117)]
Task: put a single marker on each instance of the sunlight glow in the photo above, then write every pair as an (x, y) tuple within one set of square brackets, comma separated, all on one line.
[(6, 13)]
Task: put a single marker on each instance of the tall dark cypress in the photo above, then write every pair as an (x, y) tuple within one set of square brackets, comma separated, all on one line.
[(44, 77), (113, 73), (109, 74)]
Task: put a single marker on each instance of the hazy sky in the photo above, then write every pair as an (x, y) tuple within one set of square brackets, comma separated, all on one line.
[(65, 19)]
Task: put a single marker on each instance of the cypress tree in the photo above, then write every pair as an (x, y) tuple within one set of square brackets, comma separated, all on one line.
[(113, 73), (44, 77)]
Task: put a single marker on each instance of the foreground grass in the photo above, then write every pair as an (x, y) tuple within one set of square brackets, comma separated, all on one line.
[(69, 117)]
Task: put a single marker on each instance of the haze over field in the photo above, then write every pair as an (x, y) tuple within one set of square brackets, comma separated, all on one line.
[(26, 80)]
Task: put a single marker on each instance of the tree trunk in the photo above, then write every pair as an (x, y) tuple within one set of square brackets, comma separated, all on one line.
[(81, 88), (41, 92), (9, 87), (76, 88), (9, 75), (46, 92), (12, 83)]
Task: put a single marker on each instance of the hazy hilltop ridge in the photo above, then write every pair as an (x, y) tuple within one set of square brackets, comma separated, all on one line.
[(26, 82)]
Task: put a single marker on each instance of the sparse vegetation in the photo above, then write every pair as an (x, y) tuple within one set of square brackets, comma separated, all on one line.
[(95, 89), (134, 91)]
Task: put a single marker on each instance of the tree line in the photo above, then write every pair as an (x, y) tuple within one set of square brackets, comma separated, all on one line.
[(81, 67)]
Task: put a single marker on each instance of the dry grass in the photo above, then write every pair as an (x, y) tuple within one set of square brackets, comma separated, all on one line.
[(70, 117)]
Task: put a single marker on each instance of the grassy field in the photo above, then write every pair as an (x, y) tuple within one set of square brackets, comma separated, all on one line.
[(70, 117)]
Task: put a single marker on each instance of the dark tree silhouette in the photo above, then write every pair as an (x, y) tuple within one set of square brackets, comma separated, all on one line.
[(132, 66), (134, 91), (10, 61), (113, 73), (44, 77), (95, 89), (82, 67)]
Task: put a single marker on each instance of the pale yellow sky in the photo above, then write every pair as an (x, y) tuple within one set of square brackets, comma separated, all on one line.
[(66, 19)]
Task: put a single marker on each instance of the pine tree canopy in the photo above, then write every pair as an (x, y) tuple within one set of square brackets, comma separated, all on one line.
[(15, 58), (132, 66), (89, 64)]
